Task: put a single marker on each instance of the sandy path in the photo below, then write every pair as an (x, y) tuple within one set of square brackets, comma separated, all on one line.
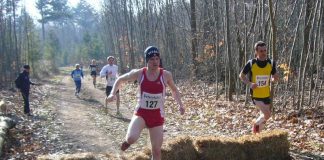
[(78, 128)]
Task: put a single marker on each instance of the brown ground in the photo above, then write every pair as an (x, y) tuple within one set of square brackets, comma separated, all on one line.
[(78, 129), (64, 123), (87, 124)]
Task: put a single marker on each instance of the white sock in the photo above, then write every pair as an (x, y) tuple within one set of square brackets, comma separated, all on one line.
[(260, 120)]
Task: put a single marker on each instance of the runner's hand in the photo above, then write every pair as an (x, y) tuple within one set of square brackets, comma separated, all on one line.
[(111, 98), (273, 79), (253, 85)]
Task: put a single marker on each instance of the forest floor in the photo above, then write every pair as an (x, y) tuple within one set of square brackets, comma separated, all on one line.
[(65, 123)]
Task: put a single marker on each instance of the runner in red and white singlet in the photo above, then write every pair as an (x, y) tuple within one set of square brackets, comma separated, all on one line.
[(149, 111), (150, 104)]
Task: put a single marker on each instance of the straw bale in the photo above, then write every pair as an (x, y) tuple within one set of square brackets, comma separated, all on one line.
[(219, 148), (180, 148), (267, 145), (264, 146), (144, 155)]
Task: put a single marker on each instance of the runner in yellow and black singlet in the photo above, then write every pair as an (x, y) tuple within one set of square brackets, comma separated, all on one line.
[(260, 70)]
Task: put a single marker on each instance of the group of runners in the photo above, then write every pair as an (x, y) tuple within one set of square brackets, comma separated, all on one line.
[(152, 79), (109, 71)]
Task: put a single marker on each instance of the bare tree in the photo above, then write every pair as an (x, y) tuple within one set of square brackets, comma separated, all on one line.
[(193, 25), (231, 81), (304, 54)]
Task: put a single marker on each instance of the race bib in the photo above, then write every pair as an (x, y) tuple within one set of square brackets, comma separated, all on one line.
[(112, 79), (262, 80), (151, 101), (77, 75), (93, 69)]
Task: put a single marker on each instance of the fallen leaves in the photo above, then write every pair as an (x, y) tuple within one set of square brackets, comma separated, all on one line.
[(207, 113)]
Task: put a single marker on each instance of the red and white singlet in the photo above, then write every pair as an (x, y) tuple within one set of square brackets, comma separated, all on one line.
[(150, 104)]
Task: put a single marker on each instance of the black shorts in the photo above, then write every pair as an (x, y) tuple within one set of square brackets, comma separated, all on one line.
[(93, 73), (108, 90), (264, 100)]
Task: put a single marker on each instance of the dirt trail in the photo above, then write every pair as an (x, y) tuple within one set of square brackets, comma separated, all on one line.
[(87, 126), (78, 128)]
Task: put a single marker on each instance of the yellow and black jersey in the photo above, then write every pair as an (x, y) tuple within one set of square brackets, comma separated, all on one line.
[(260, 73)]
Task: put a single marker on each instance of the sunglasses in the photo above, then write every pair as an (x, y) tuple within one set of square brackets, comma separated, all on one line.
[(263, 50)]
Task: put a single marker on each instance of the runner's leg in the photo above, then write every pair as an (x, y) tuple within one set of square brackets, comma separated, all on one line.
[(94, 80), (76, 87), (134, 130), (79, 88), (117, 102), (108, 90), (265, 114), (156, 136)]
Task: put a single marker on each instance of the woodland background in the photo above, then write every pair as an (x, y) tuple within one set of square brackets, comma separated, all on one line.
[(203, 43), (208, 41)]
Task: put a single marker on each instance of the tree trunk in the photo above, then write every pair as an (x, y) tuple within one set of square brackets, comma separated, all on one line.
[(315, 48), (273, 44), (43, 31), (231, 81), (17, 64), (132, 54), (194, 42), (293, 46), (216, 62), (307, 29)]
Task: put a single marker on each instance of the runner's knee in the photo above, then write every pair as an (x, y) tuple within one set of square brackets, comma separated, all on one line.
[(267, 115), (131, 139)]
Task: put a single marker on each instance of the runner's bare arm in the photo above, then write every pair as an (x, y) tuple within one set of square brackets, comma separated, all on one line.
[(130, 76), (103, 72), (174, 90), (246, 81), (275, 77)]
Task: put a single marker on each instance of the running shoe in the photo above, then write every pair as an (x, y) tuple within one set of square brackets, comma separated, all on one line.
[(256, 128), (124, 146)]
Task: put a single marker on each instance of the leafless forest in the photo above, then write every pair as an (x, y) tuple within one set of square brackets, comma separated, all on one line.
[(204, 43), (208, 40)]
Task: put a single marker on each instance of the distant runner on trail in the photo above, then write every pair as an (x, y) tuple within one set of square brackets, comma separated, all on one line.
[(149, 111), (260, 70), (93, 71), (77, 74), (110, 71)]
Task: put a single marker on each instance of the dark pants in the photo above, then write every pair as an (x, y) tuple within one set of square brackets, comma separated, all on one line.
[(78, 86), (108, 90), (25, 95)]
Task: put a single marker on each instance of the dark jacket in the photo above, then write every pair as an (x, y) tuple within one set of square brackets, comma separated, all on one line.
[(23, 82)]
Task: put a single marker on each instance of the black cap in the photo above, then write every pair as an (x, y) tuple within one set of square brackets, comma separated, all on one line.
[(26, 66), (151, 51)]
